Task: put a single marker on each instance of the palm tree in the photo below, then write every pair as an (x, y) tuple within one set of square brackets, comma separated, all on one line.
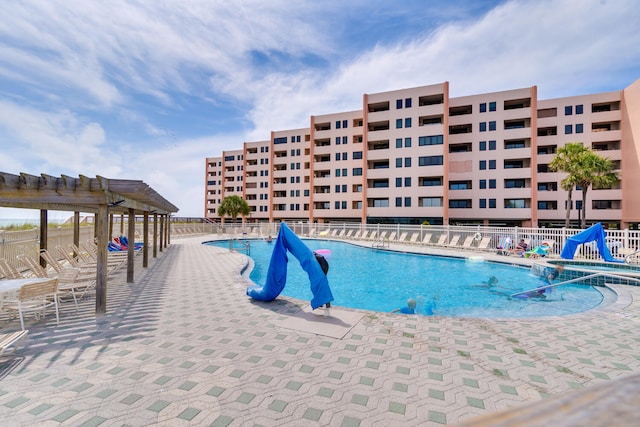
[(566, 160), (595, 171), (584, 168), (233, 206)]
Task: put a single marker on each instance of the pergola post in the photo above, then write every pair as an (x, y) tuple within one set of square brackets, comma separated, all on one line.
[(76, 230), (161, 231), (145, 240), (102, 229), (131, 237), (155, 235), (110, 227), (44, 226)]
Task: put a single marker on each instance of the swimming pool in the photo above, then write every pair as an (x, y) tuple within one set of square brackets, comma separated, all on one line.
[(378, 280)]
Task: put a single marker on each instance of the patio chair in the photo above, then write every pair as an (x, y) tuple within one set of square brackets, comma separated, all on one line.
[(9, 342), (392, 236), (403, 236), (426, 239), (8, 271), (414, 238), (36, 298), (503, 246)]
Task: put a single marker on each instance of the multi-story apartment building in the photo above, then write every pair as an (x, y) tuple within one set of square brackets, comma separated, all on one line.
[(415, 155)]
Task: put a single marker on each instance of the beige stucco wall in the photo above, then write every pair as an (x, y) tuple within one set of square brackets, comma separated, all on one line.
[(631, 153)]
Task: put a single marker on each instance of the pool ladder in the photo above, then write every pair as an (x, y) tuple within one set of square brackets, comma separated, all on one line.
[(628, 257), (380, 243)]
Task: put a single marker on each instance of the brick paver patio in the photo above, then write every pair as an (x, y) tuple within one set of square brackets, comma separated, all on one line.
[(183, 345)]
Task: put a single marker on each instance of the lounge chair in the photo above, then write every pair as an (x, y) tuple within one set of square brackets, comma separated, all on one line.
[(426, 239), (504, 246), (441, 240), (9, 342), (454, 240), (484, 242), (35, 298), (414, 237), (341, 234), (349, 233), (373, 235), (392, 236), (468, 242), (539, 251), (8, 271), (403, 236)]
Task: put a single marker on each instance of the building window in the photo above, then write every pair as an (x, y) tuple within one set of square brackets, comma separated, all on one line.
[(492, 203), (483, 184), (337, 172), (338, 123), (568, 110), (483, 165), (357, 155), (337, 188), (344, 173), (579, 128), (483, 145), (514, 183), (407, 122), (407, 162), (407, 103), (344, 157), (514, 203), (492, 125), (459, 204), (344, 204), (398, 123), (398, 182), (492, 164), (579, 109), (344, 140), (337, 205), (337, 140), (483, 203), (398, 162), (337, 158), (483, 107), (357, 171), (398, 202), (492, 145), (430, 160), (483, 126), (430, 140), (398, 142), (407, 182), (407, 142), (492, 106), (345, 124), (568, 129), (398, 104), (407, 202), (492, 183)]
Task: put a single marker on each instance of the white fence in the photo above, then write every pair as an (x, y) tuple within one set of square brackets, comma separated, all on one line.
[(620, 242)]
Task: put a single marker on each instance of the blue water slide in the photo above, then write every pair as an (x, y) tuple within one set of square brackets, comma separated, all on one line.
[(595, 232), (287, 241)]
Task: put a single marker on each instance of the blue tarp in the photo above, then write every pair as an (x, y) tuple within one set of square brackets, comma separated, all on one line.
[(277, 273), (595, 232)]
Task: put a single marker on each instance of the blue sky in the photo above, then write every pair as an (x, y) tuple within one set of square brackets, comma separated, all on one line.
[(147, 89)]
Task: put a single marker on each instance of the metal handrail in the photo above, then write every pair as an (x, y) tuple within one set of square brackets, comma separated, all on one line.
[(578, 279), (626, 258)]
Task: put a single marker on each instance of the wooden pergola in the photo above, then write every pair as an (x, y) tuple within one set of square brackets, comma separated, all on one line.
[(100, 196)]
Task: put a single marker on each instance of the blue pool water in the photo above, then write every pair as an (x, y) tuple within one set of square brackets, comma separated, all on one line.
[(369, 279)]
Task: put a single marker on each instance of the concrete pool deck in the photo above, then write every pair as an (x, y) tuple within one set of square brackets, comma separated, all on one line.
[(183, 345)]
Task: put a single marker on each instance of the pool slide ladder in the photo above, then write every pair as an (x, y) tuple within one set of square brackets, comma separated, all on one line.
[(578, 279)]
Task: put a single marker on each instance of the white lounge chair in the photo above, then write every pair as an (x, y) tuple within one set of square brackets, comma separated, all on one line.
[(454, 240), (426, 239)]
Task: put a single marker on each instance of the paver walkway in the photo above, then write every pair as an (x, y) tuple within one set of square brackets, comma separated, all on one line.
[(183, 345)]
